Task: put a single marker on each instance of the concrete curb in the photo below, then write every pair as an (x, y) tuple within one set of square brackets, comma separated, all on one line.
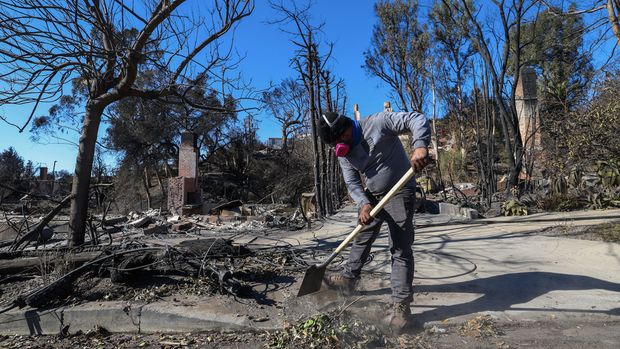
[(122, 317), (457, 211)]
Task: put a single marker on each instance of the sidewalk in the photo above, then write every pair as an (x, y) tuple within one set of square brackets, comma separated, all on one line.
[(499, 266)]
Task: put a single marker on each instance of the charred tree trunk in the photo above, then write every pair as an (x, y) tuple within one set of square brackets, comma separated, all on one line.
[(489, 124), (482, 164), (461, 118), (285, 140), (83, 168), (169, 172), (313, 115), (160, 182), (147, 185), (322, 148), (613, 12), (507, 111), (435, 140)]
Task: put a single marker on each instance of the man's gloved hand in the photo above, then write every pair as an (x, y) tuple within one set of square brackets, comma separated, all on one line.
[(419, 159), (364, 216)]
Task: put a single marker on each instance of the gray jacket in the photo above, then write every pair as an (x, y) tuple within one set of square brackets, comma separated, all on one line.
[(380, 156)]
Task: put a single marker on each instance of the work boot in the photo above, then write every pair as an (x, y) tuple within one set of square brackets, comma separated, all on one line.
[(339, 282), (400, 317)]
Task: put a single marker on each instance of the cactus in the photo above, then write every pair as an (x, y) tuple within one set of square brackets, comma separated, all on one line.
[(427, 183), (560, 186), (606, 198), (574, 177), (609, 173), (514, 208)]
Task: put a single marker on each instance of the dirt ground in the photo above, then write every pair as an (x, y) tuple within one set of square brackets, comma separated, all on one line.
[(609, 232)]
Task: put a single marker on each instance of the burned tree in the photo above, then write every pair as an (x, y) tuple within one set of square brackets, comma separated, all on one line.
[(145, 133), (512, 17), (320, 87), (613, 12), (456, 51), (102, 48), (288, 104), (11, 167), (609, 11), (399, 51)]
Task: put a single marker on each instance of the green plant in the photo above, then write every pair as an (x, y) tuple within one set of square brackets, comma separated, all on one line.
[(513, 207), (427, 184), (315, 332), (609, 173), (452, 166)]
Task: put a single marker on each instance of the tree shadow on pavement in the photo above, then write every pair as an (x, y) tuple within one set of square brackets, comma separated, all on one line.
[(535, 218), (501, 292), (263, 291)]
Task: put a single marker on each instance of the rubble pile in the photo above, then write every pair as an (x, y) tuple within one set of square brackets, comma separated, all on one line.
[(124, 254)]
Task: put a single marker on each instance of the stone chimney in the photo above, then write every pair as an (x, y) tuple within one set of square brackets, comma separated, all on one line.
[(184, 193), (188, 156), (526, 103), (43, 173)]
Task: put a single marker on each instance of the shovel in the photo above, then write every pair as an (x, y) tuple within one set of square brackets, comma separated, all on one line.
[(314, 275)]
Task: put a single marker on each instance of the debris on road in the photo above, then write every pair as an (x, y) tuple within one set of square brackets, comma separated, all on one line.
[(480, 327)]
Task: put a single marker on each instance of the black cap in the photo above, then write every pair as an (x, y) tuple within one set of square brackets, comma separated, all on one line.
[(332, 125)]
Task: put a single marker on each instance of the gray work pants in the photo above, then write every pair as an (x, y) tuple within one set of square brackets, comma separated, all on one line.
[(398, 214)]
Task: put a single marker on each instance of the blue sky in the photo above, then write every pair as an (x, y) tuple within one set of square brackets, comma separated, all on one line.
[(347, 24), (267, 50)]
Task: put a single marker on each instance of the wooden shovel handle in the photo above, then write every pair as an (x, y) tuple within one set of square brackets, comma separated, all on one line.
[(398, 186)]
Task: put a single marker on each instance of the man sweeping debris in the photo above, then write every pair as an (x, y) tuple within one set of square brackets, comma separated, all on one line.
[(371, 148)]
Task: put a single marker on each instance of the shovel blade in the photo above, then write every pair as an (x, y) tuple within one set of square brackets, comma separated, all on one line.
[(312, 281)]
